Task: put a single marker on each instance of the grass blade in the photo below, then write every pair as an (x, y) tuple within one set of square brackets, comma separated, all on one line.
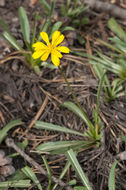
[(25, 27), (63, 173), (55, 27), (74, 162), (80, 188), (11, 40), (46, 5), (114, 27), (111, 182), (60, 147), (74, 108), (67, 28), (15, 183), (48, 171), (8, 36), (52, 127), (52, 9), (29, 173), (11, 124)]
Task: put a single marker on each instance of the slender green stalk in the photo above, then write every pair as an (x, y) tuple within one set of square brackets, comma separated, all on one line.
[(35, 26), (76, 101), (48, 171), (99, 92)]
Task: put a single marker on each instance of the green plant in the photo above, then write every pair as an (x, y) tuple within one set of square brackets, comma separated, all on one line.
[(115, 64), (93, 133), (73, 10), (112, 89), (27, 33)]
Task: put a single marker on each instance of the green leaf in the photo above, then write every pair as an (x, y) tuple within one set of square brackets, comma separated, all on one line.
[(68, 3), (11, 124), (48, 65), (123, 138), (8, 36), (12, 41), (67, 28), (52, 127), (111, 182), (80, 188), (75, 109), (75, 164), (72, 182), (25, 27), (60, 147), (52, 9), (15, 183), (29, 173), (119, 43), (110, 46), (75, 3), (46, 5), (55, 27), (64, 10), (84, 21), (114, 26)]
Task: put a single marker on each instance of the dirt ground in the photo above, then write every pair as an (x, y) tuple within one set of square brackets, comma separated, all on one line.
[(22, 94)]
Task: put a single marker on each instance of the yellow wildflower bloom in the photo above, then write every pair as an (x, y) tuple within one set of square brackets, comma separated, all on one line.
[(43, 51)]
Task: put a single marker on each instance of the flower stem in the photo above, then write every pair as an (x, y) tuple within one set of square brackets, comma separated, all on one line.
[(87, 121)]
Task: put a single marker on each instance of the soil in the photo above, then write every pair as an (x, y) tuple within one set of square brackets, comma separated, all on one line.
[(23, 93)]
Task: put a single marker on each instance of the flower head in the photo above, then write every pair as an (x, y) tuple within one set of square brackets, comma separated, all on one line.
[(54, 48)]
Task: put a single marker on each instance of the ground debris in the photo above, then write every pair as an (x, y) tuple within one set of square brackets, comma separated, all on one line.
[(6, 168)]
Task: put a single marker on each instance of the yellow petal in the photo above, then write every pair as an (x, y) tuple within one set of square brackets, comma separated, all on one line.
[(45, 56), (63, 49), (55, 35), (59, 40), (37, 54), (57, 53), (39, 45), (55, 60), (45, 37)]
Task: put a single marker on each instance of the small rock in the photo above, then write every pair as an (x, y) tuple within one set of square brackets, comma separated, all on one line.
[(122, 155), (6, 51), (21, 43), (15, 66), (2, 3), (15, 19), (6, 167)]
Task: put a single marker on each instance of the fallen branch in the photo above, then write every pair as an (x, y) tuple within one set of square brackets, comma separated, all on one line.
[(111, 9), (10, 143)]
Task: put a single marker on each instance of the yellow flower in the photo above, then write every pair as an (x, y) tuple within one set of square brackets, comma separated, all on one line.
[(43, 51)]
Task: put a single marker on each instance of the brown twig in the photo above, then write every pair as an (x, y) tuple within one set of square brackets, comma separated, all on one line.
[(10, 143), (107, 7)]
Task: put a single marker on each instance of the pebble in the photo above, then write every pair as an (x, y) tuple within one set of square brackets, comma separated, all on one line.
[(21, 43), (2, 3), (15, 66)]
